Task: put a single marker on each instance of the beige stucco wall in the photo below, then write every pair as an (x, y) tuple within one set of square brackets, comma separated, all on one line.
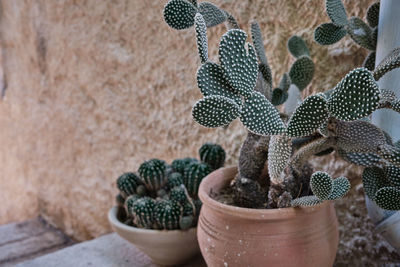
[(93, 88)]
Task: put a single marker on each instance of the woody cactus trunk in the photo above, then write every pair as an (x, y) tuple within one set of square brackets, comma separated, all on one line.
[(240, 86)]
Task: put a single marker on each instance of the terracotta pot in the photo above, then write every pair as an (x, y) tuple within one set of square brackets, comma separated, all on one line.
[(167, 248), (233, 236)]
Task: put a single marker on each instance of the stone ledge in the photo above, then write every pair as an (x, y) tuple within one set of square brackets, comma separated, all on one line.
[(108, 250)]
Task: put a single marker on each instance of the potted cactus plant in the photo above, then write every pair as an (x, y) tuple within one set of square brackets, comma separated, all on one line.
[(279, 212), (158, 207)]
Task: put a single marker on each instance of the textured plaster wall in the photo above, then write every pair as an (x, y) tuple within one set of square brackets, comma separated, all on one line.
[(93, 88)]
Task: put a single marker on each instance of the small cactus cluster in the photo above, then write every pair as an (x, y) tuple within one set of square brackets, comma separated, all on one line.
[(364, 34), (164, 197), (240, 86)]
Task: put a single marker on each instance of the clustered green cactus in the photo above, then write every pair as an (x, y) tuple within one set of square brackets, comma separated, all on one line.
[(240, 86), (164, 197)]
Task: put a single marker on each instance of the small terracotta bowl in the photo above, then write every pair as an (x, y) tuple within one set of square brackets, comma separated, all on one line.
[(166, 248)]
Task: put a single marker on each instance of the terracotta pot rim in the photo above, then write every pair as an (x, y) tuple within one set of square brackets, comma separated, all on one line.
[(253, 214), (113, 219)]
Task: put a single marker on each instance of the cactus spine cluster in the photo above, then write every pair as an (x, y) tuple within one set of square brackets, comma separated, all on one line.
[(239, 85), (164, 197)]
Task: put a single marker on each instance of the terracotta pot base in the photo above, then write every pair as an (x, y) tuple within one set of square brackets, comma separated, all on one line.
[(233, 236)]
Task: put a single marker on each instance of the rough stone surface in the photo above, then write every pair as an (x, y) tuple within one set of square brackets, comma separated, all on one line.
[(106, 251), (91, 89), (27, 240)]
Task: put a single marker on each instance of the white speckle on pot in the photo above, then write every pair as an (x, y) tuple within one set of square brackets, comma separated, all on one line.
[(240, 242), (225, 264), (208, 240), (206, 249), (238, 254), (276, 254), (227, 227), (262, 216)]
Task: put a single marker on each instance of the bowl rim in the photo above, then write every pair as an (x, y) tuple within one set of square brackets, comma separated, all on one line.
[(112, 218), (227, 174)]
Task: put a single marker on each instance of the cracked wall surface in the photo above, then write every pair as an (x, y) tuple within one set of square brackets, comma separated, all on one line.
[(93, 88)]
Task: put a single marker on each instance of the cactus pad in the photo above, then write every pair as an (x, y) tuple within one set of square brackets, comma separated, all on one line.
[(340, 187), (215, 111), (361, 33), (167, 214), (373, 179), (321, 185), (336, 12), (179, 165), (127, 184), (266, 73), (212, 14), (302, 72), (239, 64), (373, 14), (297, 47), (129, 203), (259, 116), (194, 174), (143, 212), (178, 193), (369, 62), (390, 62), (361, 159), (308, 117), (258, 42), (279, 96), (393, 175), (388, 198), (175, 179), (355, 96), (390, 153), (279, 151), (212, 154), (201, 37), (153, 174), (329, 33), (306, 201), (179, 14), (186, 222), (211, 81)]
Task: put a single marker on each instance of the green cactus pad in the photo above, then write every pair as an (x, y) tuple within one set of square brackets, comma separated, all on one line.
[(153, 174), (179, 165), (201, 37), (373, 14), (178, 193), (175, 179), (239, 64), (186, 222), (194, 174), (259, 116), (258, 42), (212, 154), (297, 47), (212, 14), (329, 33), (361, 33), (308, 117), (321, 185), (359, 137), (393, 175), (266, 73), (194, 2), (387, 96), (215, 111), (390, 62), (127, 183), (179, 14), (306, 201), (302, 72), (167, 214), (279, 96), (361, 159), (211, 81), (189, 208), (143, 212), (355, 96), (336, 12), (279, 151), (369, 62), (129, 203), (390, 153), (395, 105), (340, 187), (373, 179), (388, 198)]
